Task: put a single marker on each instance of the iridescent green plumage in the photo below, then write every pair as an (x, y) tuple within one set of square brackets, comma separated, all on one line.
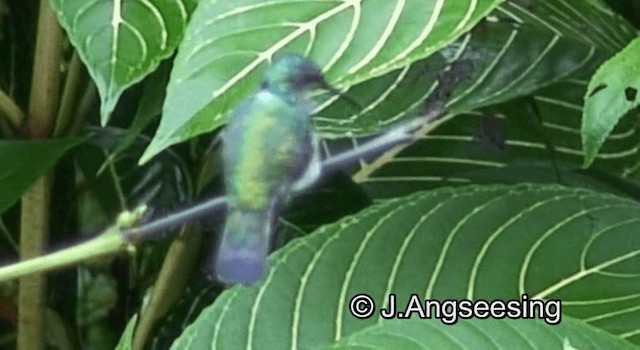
[(269, 148)]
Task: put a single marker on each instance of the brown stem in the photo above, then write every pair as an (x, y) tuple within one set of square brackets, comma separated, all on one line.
[(34, 228), (45, 81)]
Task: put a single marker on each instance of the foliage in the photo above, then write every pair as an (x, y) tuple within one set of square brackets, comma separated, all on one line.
[(612, 92), (528, 185)]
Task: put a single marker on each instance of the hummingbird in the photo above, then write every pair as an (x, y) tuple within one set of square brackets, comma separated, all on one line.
[(269, 149)]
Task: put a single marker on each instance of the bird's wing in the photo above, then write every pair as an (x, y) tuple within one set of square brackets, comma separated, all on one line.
[(313, 169)]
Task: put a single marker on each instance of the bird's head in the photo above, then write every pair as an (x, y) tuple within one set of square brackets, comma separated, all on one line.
[(293, 73)]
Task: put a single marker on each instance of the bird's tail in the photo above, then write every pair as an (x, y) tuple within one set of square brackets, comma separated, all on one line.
[(244, 247)]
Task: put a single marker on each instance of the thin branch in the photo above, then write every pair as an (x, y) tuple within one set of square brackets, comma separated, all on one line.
[(174, 220), (109, 242), (400, 135), (7, 235), (116, 181)]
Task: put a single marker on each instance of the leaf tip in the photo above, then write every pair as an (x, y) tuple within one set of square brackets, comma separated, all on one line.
[(591, 145), (588, 160), (156, 146), (146, 156), (105, 115)]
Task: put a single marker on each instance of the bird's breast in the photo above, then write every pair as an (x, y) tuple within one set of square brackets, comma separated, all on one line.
[(263, 148)]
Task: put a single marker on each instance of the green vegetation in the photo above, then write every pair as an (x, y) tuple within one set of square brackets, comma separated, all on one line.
[(528, 184)]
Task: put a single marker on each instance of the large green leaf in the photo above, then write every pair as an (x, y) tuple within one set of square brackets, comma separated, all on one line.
[(228, 44), (121, 41), (460, 150), (23, 162), (512, 53), (541, 133), (541, 143), (475, 242), (481, 334), (613, 91)]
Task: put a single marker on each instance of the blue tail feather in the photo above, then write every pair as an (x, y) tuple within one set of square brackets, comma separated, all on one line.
[(244, 247)]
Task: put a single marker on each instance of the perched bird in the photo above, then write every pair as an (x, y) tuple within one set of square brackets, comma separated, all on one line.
[(269, 149)]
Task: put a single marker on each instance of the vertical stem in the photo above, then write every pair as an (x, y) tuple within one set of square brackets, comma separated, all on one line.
[(34, 228), (65, 113), (45, 81), (87, 99)]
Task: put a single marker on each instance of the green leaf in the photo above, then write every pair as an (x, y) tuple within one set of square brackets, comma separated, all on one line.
[(474, 242), (126, 341), (546, 57), (228, 44), (481, 334), (514, 52), (121, 42), (460, 150), (536, 46), (23, 162), (613, 91)]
